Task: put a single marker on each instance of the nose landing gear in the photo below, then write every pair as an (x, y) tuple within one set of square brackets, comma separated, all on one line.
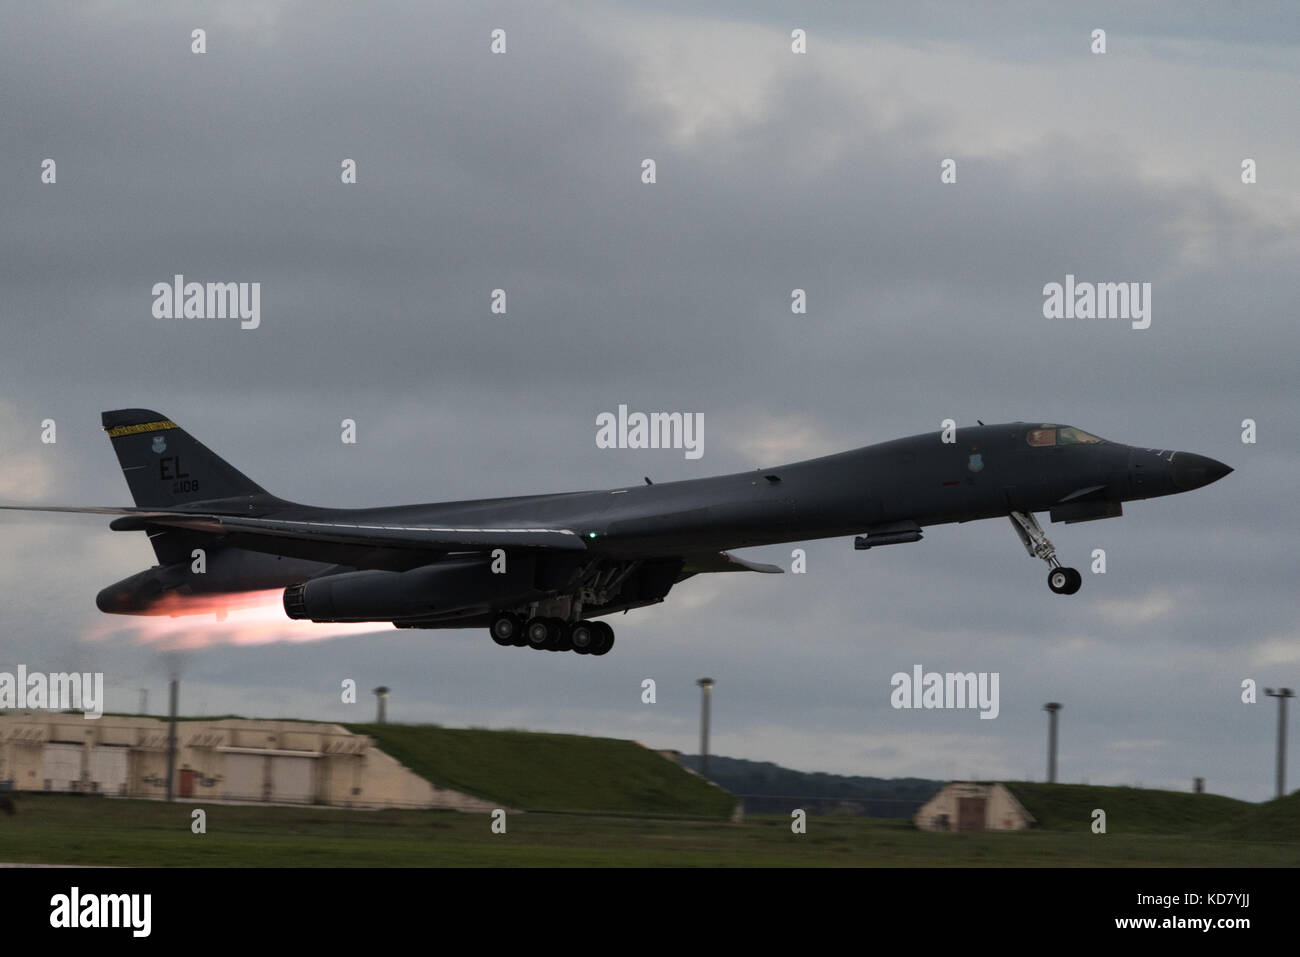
[(1064, 581), (1061, 580)]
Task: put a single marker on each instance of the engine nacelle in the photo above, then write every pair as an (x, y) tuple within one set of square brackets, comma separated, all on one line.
[(139, 594), (455, 585)]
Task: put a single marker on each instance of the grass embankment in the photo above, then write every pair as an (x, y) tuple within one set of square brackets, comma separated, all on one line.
[(552, 772), (1068, 807)]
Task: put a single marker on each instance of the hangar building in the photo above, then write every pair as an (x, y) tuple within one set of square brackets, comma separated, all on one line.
[(229, 759), (973, 806)]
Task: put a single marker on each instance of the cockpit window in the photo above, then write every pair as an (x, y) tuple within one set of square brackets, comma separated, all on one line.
[(1070, 436), (1048, 435)]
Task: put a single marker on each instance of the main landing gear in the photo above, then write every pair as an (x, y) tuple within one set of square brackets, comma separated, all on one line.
[(1061, 580), (553, 634)]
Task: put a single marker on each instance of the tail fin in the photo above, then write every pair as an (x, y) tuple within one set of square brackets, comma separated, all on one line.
[(165, 466)]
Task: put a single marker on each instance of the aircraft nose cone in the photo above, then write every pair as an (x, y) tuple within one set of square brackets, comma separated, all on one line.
[(1189, 471)]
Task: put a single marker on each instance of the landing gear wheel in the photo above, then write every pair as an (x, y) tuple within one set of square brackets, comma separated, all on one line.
[(565, 641), (559, 634), (604, 638), (539, 632), (1064, 581), (582, 637), (506, 629), (1061, 580)]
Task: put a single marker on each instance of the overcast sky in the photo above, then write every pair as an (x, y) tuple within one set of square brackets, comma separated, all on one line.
[(775, 171)]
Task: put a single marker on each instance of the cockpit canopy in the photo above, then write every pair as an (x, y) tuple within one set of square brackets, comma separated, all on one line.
[(1040, 436)]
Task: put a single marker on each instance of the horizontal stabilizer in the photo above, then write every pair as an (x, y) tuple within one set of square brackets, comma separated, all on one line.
[(84, 509)]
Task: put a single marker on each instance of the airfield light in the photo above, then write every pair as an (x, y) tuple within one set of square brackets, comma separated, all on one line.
[(171, 735), (1281, 694), (706, 687), (1051, 708), (382, 694)]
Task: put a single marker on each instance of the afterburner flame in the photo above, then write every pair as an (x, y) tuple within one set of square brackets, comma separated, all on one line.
[(245, 618)]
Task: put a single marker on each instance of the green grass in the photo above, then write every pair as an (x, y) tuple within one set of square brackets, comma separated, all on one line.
[(1069, 807), (554, 772), (1277, 820), (64, 829)]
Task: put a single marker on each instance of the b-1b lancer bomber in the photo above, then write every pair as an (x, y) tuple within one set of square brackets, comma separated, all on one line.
[(542, 570)]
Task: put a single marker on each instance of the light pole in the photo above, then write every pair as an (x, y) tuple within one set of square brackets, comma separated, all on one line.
[(706, 688), (1281, 694), (1051, 708), (173, 706)]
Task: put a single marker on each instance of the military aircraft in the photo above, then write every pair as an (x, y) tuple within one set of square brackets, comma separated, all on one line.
[(540, 570)]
